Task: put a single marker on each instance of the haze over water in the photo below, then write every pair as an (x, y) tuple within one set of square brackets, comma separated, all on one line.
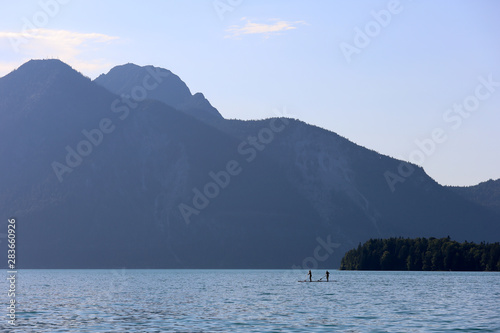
[(255, 301)]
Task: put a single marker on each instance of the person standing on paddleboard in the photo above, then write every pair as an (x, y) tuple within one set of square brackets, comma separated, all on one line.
[(327, 275), (310, 276)]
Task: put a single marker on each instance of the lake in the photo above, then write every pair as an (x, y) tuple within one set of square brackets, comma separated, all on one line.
[(253, 301)]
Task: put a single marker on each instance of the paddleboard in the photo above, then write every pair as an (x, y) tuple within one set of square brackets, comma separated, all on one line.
[(316, 281)]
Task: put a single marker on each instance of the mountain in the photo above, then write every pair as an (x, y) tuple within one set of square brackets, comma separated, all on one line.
[(158, 84), (486, 194), (99, 180)]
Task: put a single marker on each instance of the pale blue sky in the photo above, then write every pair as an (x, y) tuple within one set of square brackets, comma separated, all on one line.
[(258, 56)]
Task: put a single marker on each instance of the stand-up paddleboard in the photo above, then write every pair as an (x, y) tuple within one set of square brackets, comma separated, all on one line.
[(316, 281)]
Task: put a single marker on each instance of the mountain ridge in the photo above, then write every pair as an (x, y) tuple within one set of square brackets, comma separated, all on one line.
[(275, 190), (486, 193)]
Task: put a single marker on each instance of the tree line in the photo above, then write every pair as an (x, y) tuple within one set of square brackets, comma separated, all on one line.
[(422, 254)]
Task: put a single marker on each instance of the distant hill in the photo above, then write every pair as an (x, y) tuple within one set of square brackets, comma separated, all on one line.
[(159, 84), (486, 194), (101, 180)]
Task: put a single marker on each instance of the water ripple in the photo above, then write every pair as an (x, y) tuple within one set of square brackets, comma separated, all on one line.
[(255, 301)]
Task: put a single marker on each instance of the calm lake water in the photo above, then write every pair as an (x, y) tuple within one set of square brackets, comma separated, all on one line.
[(253, 301)]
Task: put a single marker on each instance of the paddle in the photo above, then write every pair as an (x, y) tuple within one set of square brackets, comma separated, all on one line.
[(308, 278), (305, 279)]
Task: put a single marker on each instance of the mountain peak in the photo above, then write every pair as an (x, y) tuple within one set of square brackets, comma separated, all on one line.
[(45, 82), (165, 87), (45, 68), (129, 69), (44, 63), (38, 75)]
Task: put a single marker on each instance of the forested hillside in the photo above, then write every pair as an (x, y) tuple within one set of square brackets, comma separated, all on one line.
[(422, 254)]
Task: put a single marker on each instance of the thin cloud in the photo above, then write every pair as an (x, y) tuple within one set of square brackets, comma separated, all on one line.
[(62, 44), (50, 34), (21, 41), (252, 28)]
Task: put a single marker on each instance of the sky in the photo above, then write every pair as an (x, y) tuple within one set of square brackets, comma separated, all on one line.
[(414, 80)]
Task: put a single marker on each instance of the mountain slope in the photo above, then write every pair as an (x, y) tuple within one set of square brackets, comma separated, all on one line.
[(97, 180), (345, 184)]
